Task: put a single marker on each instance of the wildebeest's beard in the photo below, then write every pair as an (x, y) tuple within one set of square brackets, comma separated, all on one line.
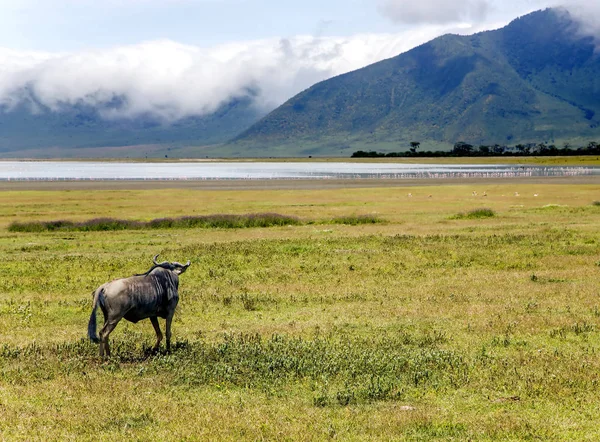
[(179, 268)]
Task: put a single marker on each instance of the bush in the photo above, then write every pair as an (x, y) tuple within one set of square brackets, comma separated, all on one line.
[(354, 220), (476, 214), (209, 221), (219, 221)]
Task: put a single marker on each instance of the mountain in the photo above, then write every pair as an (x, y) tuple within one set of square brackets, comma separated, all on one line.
[(534, 80), (81, 131)]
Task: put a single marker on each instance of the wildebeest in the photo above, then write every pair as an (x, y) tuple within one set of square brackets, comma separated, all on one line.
[(148, 295)]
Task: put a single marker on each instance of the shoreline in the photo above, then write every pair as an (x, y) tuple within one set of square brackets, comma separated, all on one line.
[(281, 184)]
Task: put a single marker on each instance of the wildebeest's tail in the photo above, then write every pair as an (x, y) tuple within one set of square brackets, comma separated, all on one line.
[(92, 324)]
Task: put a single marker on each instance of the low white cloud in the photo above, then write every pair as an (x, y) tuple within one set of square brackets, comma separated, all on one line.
[(587, 13), (170, 80), (434, 11)]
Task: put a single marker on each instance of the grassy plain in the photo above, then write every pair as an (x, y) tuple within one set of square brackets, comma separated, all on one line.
[(429, 326)]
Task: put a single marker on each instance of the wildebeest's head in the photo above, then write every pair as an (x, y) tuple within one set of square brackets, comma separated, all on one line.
[(175, 267)]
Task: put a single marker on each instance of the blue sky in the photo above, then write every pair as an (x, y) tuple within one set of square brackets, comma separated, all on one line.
[(67, 25), (71, 25), (175, 58)]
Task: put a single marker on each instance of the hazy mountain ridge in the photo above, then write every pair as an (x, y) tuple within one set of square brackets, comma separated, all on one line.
[(73, 130), (534, 80)]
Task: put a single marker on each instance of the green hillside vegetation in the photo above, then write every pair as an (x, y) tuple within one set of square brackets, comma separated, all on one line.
[(532, 81)]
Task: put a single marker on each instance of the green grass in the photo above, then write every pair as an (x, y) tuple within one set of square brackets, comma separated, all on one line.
[(346, 370), (419, 328), (475, 214)]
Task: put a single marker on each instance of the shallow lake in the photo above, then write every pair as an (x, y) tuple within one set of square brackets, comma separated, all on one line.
[(85, 170)]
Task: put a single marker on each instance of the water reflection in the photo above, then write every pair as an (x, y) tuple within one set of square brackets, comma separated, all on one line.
[(56, 170)]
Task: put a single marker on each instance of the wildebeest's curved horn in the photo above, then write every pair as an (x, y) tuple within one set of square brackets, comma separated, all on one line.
[(159, 264)]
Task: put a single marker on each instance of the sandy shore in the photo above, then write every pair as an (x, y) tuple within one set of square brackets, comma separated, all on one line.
[(290, 184)]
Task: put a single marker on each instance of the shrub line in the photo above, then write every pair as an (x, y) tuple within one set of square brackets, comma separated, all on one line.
[(223, 221)]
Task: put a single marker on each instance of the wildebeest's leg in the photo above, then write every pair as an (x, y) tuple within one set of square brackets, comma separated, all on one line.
[(108, 327), (168, 331), (159, 335)]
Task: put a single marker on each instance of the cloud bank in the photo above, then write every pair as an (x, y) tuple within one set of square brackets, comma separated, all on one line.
[(587, 13), (169, 80)]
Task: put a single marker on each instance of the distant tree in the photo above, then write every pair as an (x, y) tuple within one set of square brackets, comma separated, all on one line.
[(498, 149), (370, 154), (541, 148), (414, 145), (484, 150), (592, 148), (462, 149)]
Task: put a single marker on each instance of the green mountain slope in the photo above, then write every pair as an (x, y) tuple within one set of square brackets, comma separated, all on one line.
[(534, 80)]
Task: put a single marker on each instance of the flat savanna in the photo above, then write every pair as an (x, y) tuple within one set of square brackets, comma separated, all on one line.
[(440, 321)]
